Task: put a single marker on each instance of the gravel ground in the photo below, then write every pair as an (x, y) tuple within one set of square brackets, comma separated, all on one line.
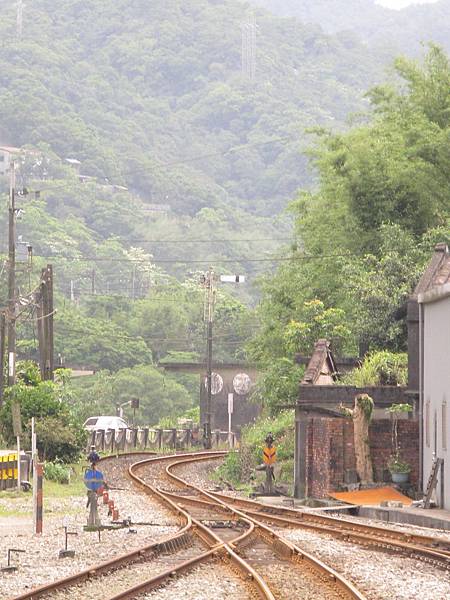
[(115, 469), (199, 474), (40, 564), (105, 586), (213, 581), (286, 580), (379, 575)]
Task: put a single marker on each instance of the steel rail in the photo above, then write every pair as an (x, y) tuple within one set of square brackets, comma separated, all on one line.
[(167, 544), (367, 535), (249, 574), (282, 547), (304, 519)]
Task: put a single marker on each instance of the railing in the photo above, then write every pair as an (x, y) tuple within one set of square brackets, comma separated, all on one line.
[(116, 440)]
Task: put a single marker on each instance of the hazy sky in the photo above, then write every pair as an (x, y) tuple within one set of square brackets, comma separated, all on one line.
[(403, 3)]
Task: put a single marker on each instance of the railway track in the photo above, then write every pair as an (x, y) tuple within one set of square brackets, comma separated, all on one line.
[(285, 570), (209, 532), (230, 531), (431, 549)]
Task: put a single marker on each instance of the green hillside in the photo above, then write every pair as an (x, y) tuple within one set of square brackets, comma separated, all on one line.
[(153, 98), (183, 161)]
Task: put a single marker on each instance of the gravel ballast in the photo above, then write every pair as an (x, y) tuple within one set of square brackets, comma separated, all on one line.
[(41, 563), (381, 576), (213, 581)]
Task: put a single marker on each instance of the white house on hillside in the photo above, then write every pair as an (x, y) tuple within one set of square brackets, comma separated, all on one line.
[(6, 155)]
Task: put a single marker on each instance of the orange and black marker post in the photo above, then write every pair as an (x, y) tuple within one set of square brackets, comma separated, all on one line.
[(269, 457)]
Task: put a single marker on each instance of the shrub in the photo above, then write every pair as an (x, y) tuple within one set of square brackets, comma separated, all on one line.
[(238, 466), (380, 368), (59, 433), (55, 471)]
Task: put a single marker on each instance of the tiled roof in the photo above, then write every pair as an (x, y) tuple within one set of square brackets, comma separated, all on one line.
[(320, 356), (438, 271), (9, 149)]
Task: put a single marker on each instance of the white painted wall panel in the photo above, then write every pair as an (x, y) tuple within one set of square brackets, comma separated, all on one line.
[(437, 390)]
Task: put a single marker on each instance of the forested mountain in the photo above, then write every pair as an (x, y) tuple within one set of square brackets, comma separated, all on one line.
[(152, 96), (397, 31), (179, 158)]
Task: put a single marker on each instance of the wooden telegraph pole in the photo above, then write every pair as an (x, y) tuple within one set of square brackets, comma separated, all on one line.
[(44, 317), (12, 277), (2, 354)]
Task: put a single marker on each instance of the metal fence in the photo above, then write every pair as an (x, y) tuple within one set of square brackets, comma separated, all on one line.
[(112, 440)]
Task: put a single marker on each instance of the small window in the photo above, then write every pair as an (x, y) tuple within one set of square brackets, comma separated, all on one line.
[(444, 425), (427, 424), (91, 421)]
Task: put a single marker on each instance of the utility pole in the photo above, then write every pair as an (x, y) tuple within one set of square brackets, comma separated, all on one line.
[(12, 277), (93, 282), (44, 316), (2, 354), (209, 282), (248, 56), (210, 298), (133, 283)]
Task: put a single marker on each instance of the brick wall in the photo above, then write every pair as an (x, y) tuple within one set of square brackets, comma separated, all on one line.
[(331, 451)]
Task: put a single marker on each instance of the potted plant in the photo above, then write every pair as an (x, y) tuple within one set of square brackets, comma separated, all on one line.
[(399, 468)]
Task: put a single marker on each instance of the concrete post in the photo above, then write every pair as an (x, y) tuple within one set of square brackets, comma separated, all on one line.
[(300, 453)]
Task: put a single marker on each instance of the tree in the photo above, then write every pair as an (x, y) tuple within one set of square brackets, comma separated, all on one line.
[(290, 326), (59, 433), (160, 395), (362, 415)]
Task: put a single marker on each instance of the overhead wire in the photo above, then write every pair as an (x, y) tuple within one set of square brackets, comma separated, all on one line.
[(203, 261), (167, 164)]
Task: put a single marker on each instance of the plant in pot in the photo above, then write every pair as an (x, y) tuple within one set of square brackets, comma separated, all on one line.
[(399, 468)]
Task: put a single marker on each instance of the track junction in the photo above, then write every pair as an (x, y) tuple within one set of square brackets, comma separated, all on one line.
[(237, 534)]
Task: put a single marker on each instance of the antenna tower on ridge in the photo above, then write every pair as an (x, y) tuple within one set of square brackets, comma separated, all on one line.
[(20, 7), (249, 48)]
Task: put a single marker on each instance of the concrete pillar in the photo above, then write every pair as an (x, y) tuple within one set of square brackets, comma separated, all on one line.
[(300, 453)]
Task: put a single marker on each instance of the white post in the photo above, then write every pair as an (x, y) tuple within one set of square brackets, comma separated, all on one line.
[(33, 463), (18, 463), (230, 412)]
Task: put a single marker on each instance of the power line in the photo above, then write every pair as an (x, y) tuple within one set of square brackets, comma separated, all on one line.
[(158, 165), (241, 259), (126, 336), (208, 241)]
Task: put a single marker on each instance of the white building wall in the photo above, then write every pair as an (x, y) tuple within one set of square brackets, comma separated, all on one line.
[(436, 396)]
